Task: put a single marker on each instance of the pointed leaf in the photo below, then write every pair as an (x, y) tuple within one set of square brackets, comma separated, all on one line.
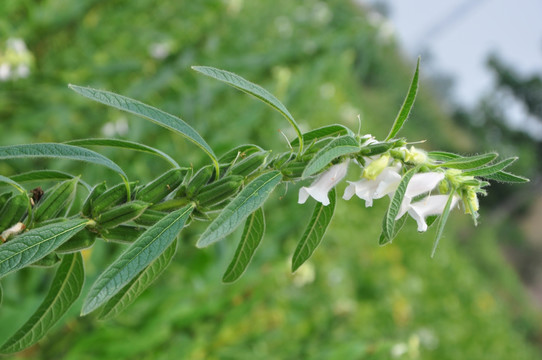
[(442, 155), (442, 221), (388, 226), (124, 144), (250, 88), (37, 175), (503, 176), (407, 104), (314, 233), (470, 162), (65, 289), (384, 239), (28, 247), (11, 182), (246, 202), (59, 151), (250, 240), (142, 281), (153, 114), (150, 245), (492, 169), (340, 146), (324, 131)]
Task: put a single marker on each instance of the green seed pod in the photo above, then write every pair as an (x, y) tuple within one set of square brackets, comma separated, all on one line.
[(159, 188), (124, 234), (219, 191), (13, 210), (170, 205), (248, 165), (55, 200), (49, 260), (121, 214), (239, 152), (96, 191), (3, 198), (198, 180), (294, 169), (150, 217), (80, 241), (199, 215), (314, 148), (114, 196)]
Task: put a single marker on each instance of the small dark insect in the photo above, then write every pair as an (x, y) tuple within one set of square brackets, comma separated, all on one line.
[(37, 193)]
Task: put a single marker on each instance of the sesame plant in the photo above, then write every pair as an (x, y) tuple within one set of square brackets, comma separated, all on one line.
[(45, 228)]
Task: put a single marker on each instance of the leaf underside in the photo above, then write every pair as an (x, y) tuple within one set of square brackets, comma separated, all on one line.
[(250, 240), (314, 233), (150, 245), (65, 289)]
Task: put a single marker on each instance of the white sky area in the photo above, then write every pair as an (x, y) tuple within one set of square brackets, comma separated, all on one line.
[(460, 34)]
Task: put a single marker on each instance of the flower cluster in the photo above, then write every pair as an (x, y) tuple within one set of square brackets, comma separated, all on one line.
[(381, 176), (15, 61)]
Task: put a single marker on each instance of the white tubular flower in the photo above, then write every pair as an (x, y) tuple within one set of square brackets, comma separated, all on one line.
[(431, 205), (419, 184), (385, 183), (325, 182)]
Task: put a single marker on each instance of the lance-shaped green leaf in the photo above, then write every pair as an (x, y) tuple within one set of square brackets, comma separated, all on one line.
[(250, 88), (470, 162), (124, 144), (442, 155), (250, 240), (384, 239), (42, 175), (148, 112), (388, 226), (59, 151), (442, 221), (65, 289), (246, 202), (503, 176), (26, 248), (314, 233), (1, 294), (324, 131), (343, 145), (402, 116), (11, 182), (149, 246), (142, 281), (491, 169)]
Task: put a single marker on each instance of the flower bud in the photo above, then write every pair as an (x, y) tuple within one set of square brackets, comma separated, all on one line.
[(374, 169)]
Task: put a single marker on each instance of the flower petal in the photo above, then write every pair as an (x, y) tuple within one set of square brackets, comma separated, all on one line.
[(325, 182), (431, 205)]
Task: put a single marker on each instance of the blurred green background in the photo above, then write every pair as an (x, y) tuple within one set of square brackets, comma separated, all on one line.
[(327, 63)]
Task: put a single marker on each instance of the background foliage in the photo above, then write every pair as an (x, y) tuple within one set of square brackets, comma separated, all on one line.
[(327, 63)]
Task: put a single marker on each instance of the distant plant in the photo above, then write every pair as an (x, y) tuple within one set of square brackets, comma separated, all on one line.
[(43, 228)]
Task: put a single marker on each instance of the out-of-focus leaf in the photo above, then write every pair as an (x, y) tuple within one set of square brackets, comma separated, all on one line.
[(65, 289)]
